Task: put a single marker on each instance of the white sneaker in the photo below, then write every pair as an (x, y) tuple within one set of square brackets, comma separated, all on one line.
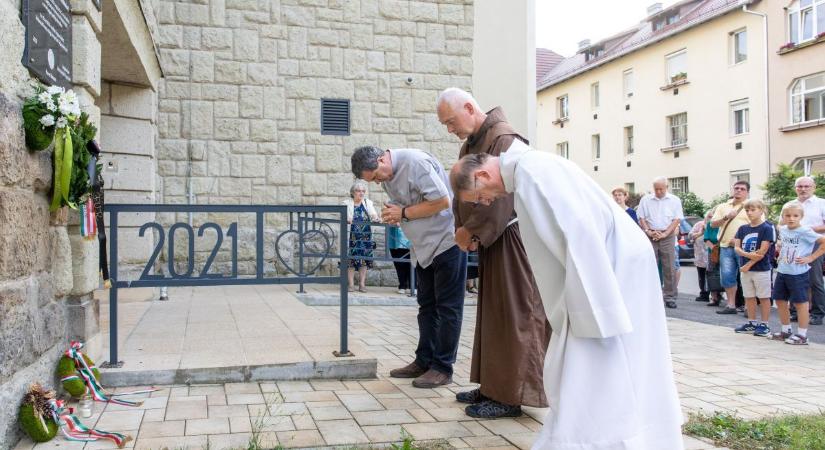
[(401, 291), (407, 291)]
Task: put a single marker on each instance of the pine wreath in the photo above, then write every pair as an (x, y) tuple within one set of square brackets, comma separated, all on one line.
[(35, 417), (74, 386)]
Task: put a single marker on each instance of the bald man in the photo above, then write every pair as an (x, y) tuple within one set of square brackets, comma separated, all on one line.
[(511, 333)]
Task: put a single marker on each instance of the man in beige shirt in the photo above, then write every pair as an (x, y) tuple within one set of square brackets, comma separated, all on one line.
[(729, 216)]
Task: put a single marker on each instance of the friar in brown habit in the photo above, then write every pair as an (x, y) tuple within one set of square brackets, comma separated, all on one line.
[(512, 332)]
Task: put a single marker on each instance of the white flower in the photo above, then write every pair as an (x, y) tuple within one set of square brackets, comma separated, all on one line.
[(66, 108), (54, 90), (61, 122), (70, 96), (51, 106), (44, 97), (47, 120)]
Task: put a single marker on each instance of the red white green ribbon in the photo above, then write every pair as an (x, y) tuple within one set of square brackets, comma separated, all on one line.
[(88, 221), (74, 430), (92, 386)]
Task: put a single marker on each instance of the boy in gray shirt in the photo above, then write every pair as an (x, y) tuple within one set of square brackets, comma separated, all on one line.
[(421, 204)]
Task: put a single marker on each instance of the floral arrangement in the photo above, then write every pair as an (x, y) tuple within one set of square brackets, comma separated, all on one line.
[(787, 46), (52, 116)]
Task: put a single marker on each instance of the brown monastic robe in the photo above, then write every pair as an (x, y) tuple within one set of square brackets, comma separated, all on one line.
[(512, 332)]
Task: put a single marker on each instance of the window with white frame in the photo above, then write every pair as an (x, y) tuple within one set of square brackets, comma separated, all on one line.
[(739, 46), (806, 20), (678, 185), (594, 95), (628, 140), (740, 175), (676, 66), (563, 149), (677, 129), (627, 83), (562, 107), (808, 98), (631, 188), (596, 144), (739, 117)]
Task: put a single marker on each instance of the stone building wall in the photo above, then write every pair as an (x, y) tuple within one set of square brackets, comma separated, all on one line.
[(36, 272), (239, 109)]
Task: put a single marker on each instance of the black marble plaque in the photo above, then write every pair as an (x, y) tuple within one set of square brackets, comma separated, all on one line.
[(48, 51)]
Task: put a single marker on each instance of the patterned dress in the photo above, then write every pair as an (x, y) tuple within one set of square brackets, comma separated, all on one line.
[(360, 238)]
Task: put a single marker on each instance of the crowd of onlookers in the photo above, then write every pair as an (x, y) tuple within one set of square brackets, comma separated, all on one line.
[(745, 262)]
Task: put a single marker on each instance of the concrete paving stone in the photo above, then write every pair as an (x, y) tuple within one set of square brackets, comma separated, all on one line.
[(421, 415), (179, 391), (426, 403), (448, 414), (329, 413), (200, 359), (457, 443), (120, 420), (398, 403), (221, 411), (172, 442), (504, 426), (437, 430), (240, 425), (147, 403), (523, 441), (186, 408), (383, 433), (58, 444), (232, 441), (294, 386), (389, 417), (242, 388), (207, 389), (313, 396), (341, 432), (272, 423), (353, 384), (360, 402), (161, 392), (269, 387), (300, 438), (303, 422), (154, 415), (162, 429), (244, 399), (327, 385), (486, 441), (207, 426), (287, 409), (530, 423), (217, 399), (105, 444), (476, 428)]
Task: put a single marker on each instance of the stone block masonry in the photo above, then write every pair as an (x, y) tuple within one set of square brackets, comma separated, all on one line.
[(239, 109)]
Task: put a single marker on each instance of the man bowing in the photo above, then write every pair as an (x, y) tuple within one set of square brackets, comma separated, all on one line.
[(608, 373)]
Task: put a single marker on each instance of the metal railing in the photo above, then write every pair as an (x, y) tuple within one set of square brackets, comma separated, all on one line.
[(303, 222)]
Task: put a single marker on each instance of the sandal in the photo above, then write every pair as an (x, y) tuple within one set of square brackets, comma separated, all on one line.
[(362, 289), (780, 336), (797, 340)]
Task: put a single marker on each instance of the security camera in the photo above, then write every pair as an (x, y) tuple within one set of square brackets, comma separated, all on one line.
[(409, 80)]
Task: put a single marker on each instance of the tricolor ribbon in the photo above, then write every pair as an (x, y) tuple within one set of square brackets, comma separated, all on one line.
[(88, 221), (74, 430), (92, 386)]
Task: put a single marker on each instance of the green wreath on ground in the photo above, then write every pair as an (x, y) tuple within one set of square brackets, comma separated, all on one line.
[(74, 386), (34, 416)]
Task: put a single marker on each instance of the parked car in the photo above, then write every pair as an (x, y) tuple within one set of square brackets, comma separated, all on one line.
[(683, 241)]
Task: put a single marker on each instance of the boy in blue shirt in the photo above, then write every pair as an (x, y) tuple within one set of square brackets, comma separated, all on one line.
[(752, 243), (792, 282)]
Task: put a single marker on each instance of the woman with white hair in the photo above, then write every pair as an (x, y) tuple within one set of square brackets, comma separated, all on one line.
[(360, 212)]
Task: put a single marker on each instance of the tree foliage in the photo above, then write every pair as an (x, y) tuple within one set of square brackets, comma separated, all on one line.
[(692, 205), (779, 189)]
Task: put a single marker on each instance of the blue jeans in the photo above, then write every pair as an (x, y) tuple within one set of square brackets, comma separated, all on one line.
[(728, 266), (440, 309)]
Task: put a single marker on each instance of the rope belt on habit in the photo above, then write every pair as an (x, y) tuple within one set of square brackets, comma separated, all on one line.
[(512, 222)]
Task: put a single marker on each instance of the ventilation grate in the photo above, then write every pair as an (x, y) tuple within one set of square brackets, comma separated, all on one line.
[(335, 117)]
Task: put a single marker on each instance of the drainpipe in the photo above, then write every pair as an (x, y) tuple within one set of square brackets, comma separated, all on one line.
[(767, 115)]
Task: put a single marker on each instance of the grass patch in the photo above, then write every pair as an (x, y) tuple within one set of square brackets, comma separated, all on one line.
[(797, 432)]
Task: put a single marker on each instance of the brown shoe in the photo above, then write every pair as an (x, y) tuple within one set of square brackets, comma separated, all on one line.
[(411, 370), (432, 379)]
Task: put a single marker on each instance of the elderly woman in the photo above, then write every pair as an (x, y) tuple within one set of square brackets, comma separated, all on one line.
[(360, 212)]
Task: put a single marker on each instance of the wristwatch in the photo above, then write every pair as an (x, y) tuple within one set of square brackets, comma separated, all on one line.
[(404, 217)]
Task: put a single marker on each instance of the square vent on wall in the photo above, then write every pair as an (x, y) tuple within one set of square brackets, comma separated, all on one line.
[(335, 117)]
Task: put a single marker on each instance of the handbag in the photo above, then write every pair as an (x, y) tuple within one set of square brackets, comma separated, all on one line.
[(714, 254)]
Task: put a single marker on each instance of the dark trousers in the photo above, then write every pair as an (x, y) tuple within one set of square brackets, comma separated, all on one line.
[(702, 272), (817, 291), (440, 309), (402, 269)]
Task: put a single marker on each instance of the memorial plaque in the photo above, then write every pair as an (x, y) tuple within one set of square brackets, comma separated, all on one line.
[(48, 51)]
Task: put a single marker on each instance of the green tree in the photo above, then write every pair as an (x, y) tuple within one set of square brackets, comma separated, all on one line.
[(779, 189), (718, 200), (692, 204)]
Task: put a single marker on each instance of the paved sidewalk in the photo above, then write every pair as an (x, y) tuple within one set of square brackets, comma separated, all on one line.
[(715, 370)]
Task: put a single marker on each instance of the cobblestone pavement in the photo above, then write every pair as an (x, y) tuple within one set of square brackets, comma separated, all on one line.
[(715, 370)]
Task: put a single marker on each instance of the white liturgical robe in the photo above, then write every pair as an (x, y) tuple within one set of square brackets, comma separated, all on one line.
[(608, 372)]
